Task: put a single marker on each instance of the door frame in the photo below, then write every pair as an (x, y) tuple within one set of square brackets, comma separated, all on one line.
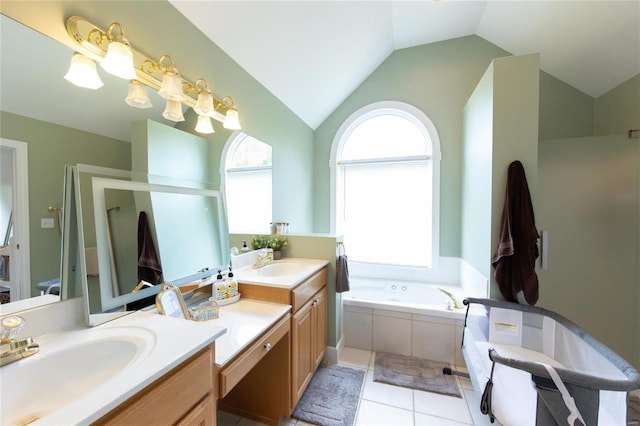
[(20, 263)]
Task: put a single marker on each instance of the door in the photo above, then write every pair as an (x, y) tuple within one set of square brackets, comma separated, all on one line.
[(303, 353), (320, 326), (14, 204)]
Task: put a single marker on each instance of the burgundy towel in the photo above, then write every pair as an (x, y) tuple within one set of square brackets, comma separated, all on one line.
[(149, 268), (515, 259)]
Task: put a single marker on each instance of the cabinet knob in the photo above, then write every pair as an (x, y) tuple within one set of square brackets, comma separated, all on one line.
[(315, 303), (267, 347)]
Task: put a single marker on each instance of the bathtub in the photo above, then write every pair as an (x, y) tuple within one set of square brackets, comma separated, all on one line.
[(404, 317), (404, 296)]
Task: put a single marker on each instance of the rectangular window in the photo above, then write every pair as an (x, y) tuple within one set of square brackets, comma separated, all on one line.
[(387, 212), (248, 196)]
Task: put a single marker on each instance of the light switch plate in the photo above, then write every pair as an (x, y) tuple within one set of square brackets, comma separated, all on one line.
[(46, 222)]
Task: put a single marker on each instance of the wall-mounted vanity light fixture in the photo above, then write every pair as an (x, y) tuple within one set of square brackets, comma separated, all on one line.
[(112, 50)]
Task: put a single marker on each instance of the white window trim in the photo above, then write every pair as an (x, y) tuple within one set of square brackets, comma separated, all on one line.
[(422, 121)]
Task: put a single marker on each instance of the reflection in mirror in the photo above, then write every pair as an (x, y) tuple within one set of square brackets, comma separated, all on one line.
[(131, 231), (248, 185)]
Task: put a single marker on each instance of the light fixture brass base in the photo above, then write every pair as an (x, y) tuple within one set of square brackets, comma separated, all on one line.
[(92, 42)]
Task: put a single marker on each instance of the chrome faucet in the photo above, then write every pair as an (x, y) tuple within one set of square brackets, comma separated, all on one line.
[(262, 259), (12, 349), (453, 302)]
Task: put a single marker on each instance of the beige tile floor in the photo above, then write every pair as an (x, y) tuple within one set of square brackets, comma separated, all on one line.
[(387, 405)]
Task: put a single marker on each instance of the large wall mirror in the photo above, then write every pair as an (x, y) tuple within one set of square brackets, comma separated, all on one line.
[(103, 114), (127, 232)]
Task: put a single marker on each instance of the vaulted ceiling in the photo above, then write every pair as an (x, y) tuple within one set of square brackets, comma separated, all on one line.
[(313, 54)]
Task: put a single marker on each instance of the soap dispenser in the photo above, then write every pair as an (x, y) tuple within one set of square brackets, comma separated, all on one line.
[(232, 284), (219, 287), (244, 247)]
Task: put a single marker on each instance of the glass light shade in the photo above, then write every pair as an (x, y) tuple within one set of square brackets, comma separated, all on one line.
[(173, 111), (119, 61), (171, 88), (137, 96), (231, 120), (83, 73), (204, 125), (204, 106)]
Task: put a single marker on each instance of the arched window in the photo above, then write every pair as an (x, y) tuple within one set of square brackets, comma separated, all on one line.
[(386, 185), (247, 184)]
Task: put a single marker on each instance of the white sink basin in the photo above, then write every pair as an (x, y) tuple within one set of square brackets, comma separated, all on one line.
[(282, 268), (66, 368), (284, 273)]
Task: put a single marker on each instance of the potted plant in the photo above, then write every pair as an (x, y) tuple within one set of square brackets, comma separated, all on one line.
[(276, 242)]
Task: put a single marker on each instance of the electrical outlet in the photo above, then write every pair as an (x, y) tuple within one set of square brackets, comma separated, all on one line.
[(46, 222)]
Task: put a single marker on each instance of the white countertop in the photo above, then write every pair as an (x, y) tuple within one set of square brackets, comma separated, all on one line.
[(249, 275), (244, 320), (174, 341), (170, 341)]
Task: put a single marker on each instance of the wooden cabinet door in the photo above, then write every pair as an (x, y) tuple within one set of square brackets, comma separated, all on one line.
[(203, 414), (302, 359), (320, 326)]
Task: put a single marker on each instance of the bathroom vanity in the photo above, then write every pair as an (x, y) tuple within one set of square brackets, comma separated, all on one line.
[(255, 360), (305, 290), (251, 354), (276, 337)]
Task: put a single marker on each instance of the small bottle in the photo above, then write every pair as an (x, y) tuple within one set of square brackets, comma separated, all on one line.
[(219, 287), (232, 284), (269, 253), (244, 247)]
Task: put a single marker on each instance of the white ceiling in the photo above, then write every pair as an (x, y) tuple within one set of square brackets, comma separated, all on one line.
[(313, 54)]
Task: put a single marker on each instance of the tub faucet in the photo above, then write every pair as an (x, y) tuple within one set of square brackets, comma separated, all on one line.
[(453, 302), (12, 349)]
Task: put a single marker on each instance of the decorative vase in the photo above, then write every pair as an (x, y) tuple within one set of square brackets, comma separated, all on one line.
[(277, 255)]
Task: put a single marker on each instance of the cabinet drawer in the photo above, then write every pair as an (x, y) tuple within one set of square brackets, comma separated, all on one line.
[(305, 291), (234, 372), (171, 397), (203, 414)]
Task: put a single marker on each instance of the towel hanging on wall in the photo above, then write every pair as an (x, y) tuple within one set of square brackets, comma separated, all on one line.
[(342, 270), (515, 258)]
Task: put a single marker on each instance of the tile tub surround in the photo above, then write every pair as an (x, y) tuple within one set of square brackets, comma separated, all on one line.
[(423, 330), (421, 336)]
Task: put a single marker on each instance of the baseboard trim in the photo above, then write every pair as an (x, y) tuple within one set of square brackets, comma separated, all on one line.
[(333, 352)]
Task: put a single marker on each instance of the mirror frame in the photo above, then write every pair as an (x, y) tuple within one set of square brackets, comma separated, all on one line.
[(74, 233)]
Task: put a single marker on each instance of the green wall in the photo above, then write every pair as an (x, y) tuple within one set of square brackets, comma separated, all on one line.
[(500, 126), (590, 192), (161, 150), (476, 175), (618, 110), (564, 110), (515, 133), (50, 147), (437, 78)]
